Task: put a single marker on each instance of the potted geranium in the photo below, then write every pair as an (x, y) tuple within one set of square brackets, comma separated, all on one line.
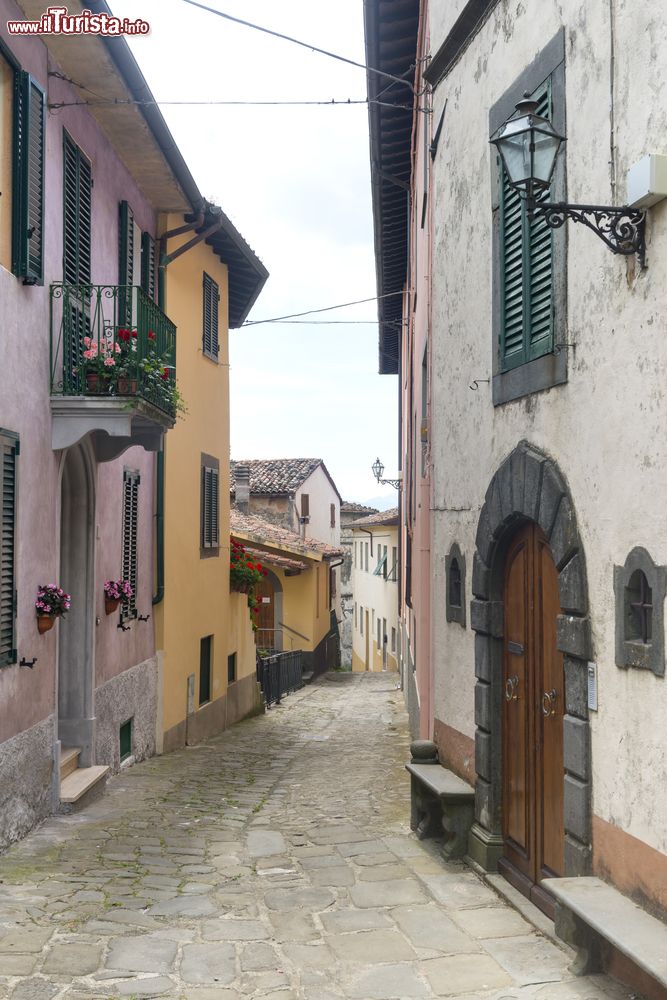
[(244, 575), (116, 591), (52, 602), (159, 382), (126, 361), (99, 364)]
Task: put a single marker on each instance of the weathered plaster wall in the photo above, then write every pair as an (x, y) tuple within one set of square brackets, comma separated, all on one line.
[(605, 427), (322, 495)]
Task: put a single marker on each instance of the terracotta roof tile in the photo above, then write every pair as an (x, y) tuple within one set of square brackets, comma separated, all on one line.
[(277, 475), (388, 517), (272, 559), (259, 530), (348, 507)]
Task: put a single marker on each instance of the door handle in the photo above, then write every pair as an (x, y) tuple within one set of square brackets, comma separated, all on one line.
[(549, 702), (512, 688)]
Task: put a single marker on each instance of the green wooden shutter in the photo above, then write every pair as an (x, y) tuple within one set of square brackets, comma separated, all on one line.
[(28, 180), (215, 501), (9, 450), (77, 189), (210, 508), (540, 265), (526, 271), (211, 299), (131, 482), (148, 265), (125, 262)]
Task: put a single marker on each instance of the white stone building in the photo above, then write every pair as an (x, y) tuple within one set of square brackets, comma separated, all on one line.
[(375, 636), (547, 456)]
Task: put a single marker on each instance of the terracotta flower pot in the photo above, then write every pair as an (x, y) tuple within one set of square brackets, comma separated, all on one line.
[(126, 386), (96, 385), (45, 623), (111, 604)]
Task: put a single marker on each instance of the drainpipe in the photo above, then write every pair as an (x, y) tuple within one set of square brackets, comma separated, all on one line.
[(367, 531), (165, 259), (158, 596)]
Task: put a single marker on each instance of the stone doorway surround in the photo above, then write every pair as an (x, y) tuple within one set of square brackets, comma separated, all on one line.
[(76, 680), (528, 486)]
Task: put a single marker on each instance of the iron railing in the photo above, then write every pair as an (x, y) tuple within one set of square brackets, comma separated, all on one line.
[(279, 675), (93, 323)]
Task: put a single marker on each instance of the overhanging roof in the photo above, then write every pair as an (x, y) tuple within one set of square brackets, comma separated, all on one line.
[(391, 46), (106, 67)]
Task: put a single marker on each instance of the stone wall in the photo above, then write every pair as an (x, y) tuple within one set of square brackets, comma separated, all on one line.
[(26, 780)]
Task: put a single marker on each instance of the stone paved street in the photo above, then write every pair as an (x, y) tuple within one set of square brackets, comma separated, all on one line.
[(275, 861)]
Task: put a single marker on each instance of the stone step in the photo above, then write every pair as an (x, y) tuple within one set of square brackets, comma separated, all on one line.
[(69, 760), (80, 781)]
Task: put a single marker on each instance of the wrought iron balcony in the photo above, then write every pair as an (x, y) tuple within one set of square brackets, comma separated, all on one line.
[(113, 368)]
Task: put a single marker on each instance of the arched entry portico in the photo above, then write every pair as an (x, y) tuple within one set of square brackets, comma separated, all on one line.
[(528, 494), (76, 673)]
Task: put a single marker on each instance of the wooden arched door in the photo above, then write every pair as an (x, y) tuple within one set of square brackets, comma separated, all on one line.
[(533, 709)]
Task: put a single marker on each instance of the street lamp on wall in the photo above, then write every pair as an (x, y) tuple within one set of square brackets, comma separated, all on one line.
[(378, 469), (528, 146)]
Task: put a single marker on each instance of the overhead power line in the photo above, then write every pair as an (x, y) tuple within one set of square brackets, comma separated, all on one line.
[(305, 45), (311, 312), (121, 102)]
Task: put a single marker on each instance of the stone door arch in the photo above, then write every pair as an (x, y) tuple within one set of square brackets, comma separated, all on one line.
[(528, 487), (76, 669)]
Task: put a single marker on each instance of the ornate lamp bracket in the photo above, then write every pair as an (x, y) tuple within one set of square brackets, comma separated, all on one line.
[(622, 229), (396, 483)]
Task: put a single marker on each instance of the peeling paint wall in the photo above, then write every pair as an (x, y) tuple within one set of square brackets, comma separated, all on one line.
[(605, 426)]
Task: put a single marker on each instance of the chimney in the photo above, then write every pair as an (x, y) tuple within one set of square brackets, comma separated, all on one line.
[(242, 487)]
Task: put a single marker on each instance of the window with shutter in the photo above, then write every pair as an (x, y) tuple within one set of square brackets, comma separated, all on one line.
[(28, 179), (126, 251), (526, 285), (131, 481), (148, 266), (211, 300), (9, 450), (210, 506), (332, 512), (77, 190)]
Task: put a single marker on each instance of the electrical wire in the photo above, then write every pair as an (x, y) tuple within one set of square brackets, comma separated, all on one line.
[(305, 45), (310, 312), (120, 102)]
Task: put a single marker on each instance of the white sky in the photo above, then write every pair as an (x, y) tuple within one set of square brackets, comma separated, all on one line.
[(295, 182)]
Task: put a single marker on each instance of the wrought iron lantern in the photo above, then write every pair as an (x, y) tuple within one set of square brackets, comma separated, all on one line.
[(378, 468), (528, 146)]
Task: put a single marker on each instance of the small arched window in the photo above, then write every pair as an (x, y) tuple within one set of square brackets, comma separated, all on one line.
[(640, 588), (455, 571)]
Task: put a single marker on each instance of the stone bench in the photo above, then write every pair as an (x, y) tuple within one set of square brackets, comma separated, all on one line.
[(589, 913), (439, 801)]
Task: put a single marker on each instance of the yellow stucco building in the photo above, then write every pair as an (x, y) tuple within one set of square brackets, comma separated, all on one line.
[(209, 280)]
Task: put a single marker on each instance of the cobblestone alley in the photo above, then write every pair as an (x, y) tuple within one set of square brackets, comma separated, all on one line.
[(275, 861)]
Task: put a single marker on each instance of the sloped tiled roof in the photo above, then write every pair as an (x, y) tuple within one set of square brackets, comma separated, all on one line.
[(279, 476), (263, 532), (388, 517), (348, 507), (272, 559)]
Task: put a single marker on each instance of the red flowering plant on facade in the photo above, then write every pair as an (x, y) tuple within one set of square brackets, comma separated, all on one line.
[(244, 572)]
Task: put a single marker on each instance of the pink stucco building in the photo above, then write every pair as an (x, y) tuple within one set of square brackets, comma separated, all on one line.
[(83, 189)]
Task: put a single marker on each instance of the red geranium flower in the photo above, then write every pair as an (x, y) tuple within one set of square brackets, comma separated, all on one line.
[(165, 374), (151, 335)]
